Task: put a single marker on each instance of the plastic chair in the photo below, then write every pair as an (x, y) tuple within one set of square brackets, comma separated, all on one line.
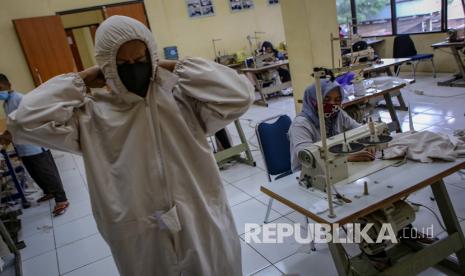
[(405, 48), (275, 148)]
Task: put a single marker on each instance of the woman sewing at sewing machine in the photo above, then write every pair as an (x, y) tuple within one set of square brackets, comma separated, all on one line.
[(305, 129), (268, 48)]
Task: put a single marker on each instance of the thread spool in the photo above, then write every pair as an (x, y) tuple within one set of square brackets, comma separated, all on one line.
[(365, 188)]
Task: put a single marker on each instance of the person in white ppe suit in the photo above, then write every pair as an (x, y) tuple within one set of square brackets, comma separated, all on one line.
[(154, 185)]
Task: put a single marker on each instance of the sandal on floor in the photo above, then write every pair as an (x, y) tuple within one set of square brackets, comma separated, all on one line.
[(45, 198), (60, 209)]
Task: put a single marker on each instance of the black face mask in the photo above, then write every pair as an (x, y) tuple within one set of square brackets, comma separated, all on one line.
[(136, 77)]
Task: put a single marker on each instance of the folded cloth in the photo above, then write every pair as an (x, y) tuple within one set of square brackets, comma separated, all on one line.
[(460, 134), (425, 147)]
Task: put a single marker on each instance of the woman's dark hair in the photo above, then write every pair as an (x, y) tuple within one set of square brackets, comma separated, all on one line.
[(267, 44), (4, 80)]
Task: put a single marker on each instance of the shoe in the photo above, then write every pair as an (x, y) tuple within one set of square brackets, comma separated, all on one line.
[(60, 208), (45, 198)]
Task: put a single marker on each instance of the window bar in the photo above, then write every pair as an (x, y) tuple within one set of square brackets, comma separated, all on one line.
[(444, 15), (393, 17), (354, 16)]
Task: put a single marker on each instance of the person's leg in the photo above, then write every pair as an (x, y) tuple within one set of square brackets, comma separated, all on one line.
[(284, 74), (55, 185), (28, 162), (43, 170), (223, 138)]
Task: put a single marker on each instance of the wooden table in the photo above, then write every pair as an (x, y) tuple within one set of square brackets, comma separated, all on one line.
[(386, 186), (459, 79), (256, 76)]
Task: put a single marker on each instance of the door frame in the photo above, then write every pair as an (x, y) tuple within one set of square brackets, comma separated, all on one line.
[(100, 7)]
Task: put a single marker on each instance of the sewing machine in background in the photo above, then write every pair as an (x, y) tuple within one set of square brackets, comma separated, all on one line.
[(264, 59), (455, 35), (357, 57), (227, 59), (354, 49)]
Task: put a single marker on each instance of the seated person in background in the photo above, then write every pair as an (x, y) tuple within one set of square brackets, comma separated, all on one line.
[(38, 161), (305, 129), (268, 48)]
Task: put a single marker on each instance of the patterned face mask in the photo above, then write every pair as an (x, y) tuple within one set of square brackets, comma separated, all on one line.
[(331, 110)]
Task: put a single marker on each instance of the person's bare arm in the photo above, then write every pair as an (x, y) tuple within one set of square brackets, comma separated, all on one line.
[(362, 156), (93, 77), (167, 64)]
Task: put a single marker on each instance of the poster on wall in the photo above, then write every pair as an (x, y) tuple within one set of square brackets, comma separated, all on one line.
[(200, 8), (273, 2), (239, 5)]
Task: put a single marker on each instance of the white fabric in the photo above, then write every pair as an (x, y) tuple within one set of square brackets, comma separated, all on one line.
[(154, 185), (460, 134), (425, 146)]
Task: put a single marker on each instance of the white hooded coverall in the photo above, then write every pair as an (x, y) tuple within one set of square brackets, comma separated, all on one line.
[(154, 185)]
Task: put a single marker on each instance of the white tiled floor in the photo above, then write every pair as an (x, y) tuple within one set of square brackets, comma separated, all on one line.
[(70, 244)]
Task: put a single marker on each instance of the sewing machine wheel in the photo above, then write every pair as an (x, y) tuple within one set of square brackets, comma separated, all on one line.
[(383, 139), (359, 46), (355, 147)]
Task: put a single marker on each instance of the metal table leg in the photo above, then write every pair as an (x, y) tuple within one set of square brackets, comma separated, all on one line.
[(392, 112), (234, 152), (262, 101), (460, 75), (459, 61), (402, 106), (450, 220), (340, 259), (12, 246), (249, 158)]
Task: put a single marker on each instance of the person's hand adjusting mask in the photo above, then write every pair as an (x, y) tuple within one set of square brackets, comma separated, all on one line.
[(93, 77)]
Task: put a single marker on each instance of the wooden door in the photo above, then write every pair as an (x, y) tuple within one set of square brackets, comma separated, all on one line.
[(74, 49), (45, 46), (134, 10), (93, 30)]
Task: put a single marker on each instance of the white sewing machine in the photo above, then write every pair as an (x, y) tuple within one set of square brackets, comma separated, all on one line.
[(399, 214), (358, 57), (313, 164), (346, 186)]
